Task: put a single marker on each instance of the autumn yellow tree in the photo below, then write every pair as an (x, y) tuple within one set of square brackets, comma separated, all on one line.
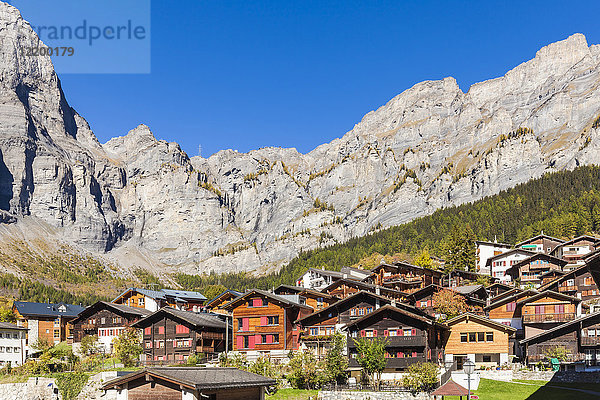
[(448, 304)]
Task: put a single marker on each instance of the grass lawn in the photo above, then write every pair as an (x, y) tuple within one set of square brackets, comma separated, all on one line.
[(497, 390), (293, 394)]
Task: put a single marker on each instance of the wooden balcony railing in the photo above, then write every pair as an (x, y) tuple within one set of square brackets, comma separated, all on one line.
[(402, 362), (541, 318), (590, 341), (562, 289), (398, 341)]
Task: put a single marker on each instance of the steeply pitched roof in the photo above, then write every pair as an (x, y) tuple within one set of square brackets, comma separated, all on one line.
[(196, 319), (508, 253), (508, 299), (467, 289), (566, 275), (198, 378), (481, 320), (542, 236), (335, 308), (8, 325), (589, 238), (497, 244), (233, 293), (395, 310), (121, 309), (29, 309), (549, 293), (403, 264), (574, 324), (278, 298), (552, 259)]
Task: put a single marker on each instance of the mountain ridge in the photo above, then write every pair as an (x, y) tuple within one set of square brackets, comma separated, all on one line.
[(143, 202)]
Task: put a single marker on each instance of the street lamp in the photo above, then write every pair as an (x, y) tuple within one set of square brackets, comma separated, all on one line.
[(469, 368)]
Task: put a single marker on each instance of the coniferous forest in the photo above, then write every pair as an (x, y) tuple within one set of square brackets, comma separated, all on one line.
[(561, 204)]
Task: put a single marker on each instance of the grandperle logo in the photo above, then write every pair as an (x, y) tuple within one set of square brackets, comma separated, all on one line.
[(90, 36), (91, 33)]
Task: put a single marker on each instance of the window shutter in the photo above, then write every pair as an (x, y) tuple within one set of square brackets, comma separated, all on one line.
[(428, 303), (386, 333), (251, 342), (414, 332), (269, 338), (263, 321), (246, 324), (257, 339), (414, 353), (240, 342), (400, 332), (148, 330), (363, 333), (257, 303), (374, 332)]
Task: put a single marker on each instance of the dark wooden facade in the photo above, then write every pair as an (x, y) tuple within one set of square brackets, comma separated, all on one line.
[(105, 317), (343, 288), (578, 283), (171, 336), (546, 310), (405, 277), (424, 299), (579, 337), (540, 244), (531, 269), (411, 338)]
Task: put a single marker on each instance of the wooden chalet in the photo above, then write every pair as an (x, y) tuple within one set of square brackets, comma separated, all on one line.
[(530, 270), (460, 277), (540, 244), (551, 276), (46, 321), (187, 383), (263, 323), (578, 282), (171, 336), (107, 321), (507, 311), (580, 337), (546, 310), (423, 299), (318, 327), (346, 287), (412, 338), (214, 304), (484, 341), (496, 289), (405, 277), (576, 250)]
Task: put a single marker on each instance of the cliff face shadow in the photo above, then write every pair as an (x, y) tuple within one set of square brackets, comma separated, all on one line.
[(6, 185)]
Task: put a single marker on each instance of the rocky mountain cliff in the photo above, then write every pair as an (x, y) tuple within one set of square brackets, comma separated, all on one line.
[(143, 202)]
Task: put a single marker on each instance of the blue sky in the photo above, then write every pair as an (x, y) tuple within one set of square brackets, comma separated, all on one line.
[(244, 75)]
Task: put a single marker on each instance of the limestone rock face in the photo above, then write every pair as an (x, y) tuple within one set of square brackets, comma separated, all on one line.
[(143, 202)]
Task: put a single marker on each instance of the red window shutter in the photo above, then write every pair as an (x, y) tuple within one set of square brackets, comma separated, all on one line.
[(256, 302), (246, 324), (269, 339), (414, 332), (240, 342), (148, 330), (257, 339), (386, 333), (374, 332), (400, 332), (363, 333), (414, 353), (428, 303), (251, 342), (264, 321), (161, 330)]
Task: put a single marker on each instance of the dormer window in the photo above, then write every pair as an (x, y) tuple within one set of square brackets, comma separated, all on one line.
[(62, 308)]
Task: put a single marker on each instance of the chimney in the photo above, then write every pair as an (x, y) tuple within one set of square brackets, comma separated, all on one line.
[(377, 290), (393, 303)]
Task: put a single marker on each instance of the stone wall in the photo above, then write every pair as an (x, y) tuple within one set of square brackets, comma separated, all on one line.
[(33, 389), (559, 376), (331, 395)]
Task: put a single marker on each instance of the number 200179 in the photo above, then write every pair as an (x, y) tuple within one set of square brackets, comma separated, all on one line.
[(49, 51)]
